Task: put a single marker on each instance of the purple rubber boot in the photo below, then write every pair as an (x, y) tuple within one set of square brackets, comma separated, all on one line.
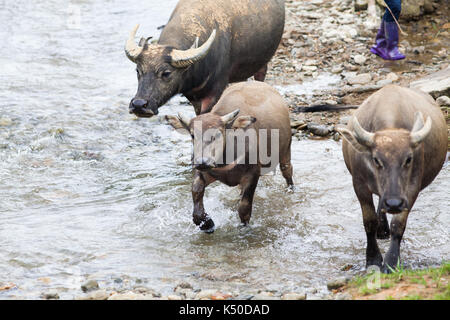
[(391, 32), (380, 43)]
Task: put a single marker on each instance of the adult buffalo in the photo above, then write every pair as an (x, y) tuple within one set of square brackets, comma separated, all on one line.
[(239, 37), (392, 151)]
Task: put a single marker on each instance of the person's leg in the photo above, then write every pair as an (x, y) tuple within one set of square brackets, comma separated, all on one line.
[(391, 30), (380, 43)]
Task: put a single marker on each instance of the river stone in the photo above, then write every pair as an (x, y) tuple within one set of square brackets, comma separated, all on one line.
[(97, 295), (51, 295), (337, 283), (363, 78), (443, 101), (392, 76), (174, 297), (294, 296), (359, 59), (297, 123), (337, 69), (361, 5), (318, 129), (437, 84), (89, 285)]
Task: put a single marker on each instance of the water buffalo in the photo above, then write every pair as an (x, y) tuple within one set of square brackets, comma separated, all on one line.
[(392, 151), (248, 109), (239, 37)]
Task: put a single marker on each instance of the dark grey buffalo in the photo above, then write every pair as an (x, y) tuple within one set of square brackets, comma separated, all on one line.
[(394, 147), (238, 38)]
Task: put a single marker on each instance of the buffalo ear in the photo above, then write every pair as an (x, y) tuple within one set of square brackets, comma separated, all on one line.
[(243, 122), (350, 137), (177, 124)]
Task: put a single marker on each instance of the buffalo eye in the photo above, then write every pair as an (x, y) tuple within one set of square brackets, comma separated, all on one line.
[(377, 162), (165, 75), (408, 161)]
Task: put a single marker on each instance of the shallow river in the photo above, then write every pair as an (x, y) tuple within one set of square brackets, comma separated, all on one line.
[(88, 191)]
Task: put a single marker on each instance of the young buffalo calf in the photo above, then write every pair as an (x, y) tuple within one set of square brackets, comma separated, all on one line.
[(246, 134), (392, 151)]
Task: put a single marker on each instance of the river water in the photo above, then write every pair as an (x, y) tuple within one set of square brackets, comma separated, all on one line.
[(89, 191)]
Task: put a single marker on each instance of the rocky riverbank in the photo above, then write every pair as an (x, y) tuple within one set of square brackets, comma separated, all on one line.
[(331, 38)]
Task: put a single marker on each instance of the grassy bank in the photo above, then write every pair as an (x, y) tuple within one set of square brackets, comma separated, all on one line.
[(403, 284)]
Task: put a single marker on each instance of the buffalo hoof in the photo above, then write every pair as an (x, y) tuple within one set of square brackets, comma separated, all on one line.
[(375, 261), (207, 226)]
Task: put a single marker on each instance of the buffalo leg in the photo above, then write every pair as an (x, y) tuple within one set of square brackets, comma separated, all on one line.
[(370, 219), (383, 225), (398, 225), (286, 169), (201, 218), (261, 74), (196, 103), (213, 96), (248, 184)]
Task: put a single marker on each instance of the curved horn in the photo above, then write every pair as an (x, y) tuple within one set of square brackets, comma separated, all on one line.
[(230, 116), (185, 120), (364, 137), (420, 131), (131, 49), (184, 58)]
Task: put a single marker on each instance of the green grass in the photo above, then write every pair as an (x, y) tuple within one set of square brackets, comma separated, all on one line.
[(430, 278)]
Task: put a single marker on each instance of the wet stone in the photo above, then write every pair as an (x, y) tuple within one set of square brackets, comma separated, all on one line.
[(51, 295), (337, 283), (89, 286)]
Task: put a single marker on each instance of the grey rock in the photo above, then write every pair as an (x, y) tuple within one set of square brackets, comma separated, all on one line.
[(337, 283), (443, 101), (318, 129), (97, 295), (363, 78), (359, 59), (89, 286), (361, 5), (293, 296), (437, 84), (51, 295)]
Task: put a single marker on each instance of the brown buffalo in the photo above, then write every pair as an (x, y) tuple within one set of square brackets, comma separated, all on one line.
[(394, 147), (205, 45), (249, 117)]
